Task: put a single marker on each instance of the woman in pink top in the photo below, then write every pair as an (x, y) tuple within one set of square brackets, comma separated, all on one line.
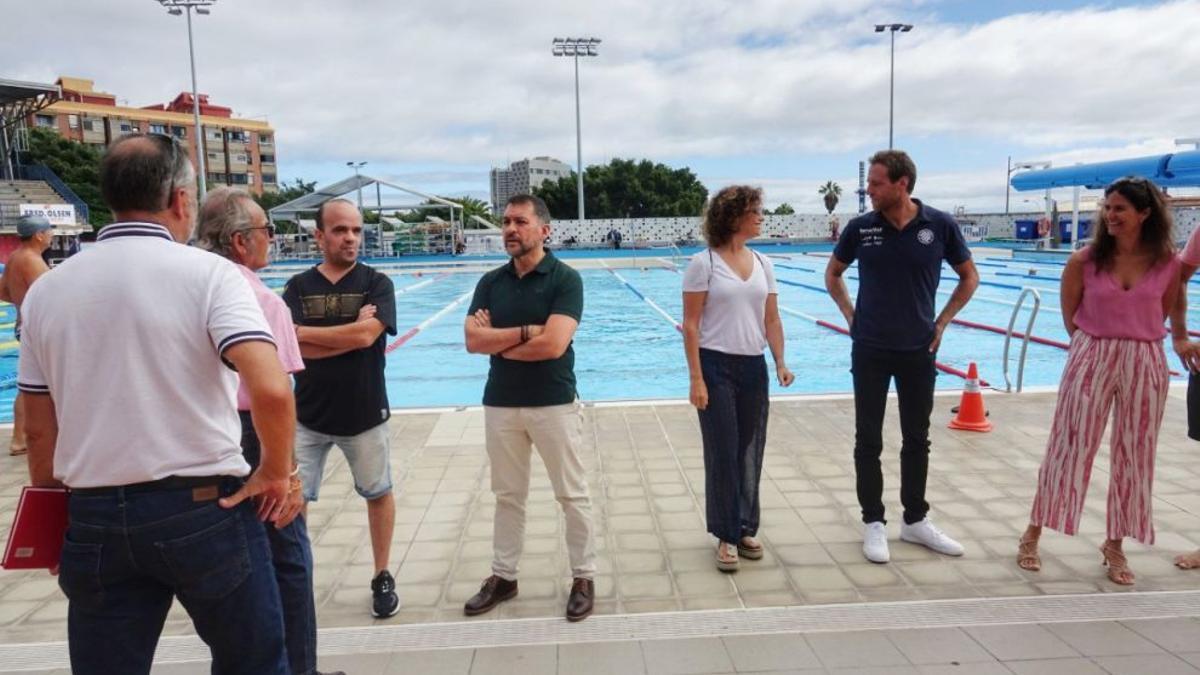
[(1116, 295)]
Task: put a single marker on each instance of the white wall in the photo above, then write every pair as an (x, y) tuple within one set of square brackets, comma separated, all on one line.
[(813, 226)]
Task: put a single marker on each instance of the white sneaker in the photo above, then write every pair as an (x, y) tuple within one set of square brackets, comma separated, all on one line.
[(875, 546), (928, 535)]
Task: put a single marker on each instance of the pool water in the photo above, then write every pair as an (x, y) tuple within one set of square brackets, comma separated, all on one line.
[(626, 349)]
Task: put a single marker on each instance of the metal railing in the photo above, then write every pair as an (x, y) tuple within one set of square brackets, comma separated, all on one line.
[(1037, 303)]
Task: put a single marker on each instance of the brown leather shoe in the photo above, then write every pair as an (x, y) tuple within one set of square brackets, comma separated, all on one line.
[(493, 592), (579, 605)]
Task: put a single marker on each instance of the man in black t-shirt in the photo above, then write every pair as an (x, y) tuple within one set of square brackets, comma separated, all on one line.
[(342, 309), (899, 247)]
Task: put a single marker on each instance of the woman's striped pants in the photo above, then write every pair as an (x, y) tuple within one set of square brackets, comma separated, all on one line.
[(1127, 378)]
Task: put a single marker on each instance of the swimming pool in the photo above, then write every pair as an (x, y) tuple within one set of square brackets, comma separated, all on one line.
[(628, 347)]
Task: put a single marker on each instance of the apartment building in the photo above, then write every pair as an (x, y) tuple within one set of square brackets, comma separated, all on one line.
[(523, 176), (239, 152)]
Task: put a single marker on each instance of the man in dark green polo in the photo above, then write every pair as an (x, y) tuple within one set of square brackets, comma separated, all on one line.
[(524, 315)]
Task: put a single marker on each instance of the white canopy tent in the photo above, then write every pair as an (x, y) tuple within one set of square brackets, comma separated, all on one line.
[(352, 187)]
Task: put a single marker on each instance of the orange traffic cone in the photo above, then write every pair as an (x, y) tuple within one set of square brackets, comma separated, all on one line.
[(971, 414)]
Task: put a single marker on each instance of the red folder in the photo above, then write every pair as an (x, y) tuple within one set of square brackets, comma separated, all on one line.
[(36, 538)]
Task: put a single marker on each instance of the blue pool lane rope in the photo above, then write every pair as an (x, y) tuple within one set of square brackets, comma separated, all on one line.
[(648, 301)]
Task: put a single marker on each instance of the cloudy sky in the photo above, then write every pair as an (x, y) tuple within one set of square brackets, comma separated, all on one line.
[(785, 94)]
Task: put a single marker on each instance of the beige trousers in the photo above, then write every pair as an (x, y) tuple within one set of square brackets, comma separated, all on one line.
[(557, 432)]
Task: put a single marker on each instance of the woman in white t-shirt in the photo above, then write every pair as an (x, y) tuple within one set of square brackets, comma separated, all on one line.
[(730, 314)]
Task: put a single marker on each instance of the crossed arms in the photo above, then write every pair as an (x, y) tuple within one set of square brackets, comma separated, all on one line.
[(544, 342)]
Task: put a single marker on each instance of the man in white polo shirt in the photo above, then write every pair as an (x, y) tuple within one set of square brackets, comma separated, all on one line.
[(129, 405)]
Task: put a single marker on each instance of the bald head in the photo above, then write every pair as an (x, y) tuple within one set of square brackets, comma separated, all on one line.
[(338, 210)]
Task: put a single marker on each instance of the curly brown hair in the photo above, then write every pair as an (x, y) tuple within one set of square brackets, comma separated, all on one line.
[(725, 208)]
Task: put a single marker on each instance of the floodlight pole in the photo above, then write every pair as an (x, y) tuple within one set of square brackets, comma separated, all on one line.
[(572, 47), (177, 7), (356, 166), (893, 28)]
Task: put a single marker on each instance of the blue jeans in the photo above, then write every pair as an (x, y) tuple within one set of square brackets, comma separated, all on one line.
[(291, 555), (734, 430), (127, 554)]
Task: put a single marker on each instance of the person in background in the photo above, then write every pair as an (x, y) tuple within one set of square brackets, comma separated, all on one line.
[(1116, 295), (730, 314), (24, 266)]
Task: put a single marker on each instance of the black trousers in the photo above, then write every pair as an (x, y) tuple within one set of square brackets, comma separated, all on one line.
[(1193, 406), (873, 371), (734, 430)]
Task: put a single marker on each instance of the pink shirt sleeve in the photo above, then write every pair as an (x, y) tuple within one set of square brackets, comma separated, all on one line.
[(279, 319), (287, 346), (1191, 251)]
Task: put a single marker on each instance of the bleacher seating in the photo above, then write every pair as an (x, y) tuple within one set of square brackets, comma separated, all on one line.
[(13, 193)]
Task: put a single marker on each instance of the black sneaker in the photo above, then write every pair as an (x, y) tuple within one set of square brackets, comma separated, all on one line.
[(383, 588)]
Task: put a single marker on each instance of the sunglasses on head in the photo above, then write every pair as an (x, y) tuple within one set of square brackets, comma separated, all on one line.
[(1139, 181)]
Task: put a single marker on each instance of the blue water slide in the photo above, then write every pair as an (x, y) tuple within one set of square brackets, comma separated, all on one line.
[(1180, 169)]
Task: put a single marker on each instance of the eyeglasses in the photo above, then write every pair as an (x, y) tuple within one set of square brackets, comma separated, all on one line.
[(269, 228)]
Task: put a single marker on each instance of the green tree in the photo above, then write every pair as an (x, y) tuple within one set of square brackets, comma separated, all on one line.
[(784, 209), (830, 191), (77, 164), (471, 207), (626, 188), (285, 194)]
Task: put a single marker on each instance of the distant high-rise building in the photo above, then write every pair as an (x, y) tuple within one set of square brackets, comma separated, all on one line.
[(239, 152), (523, 176)]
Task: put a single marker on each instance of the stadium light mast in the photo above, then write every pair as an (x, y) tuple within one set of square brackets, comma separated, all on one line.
[(893, 28), (175, 8), (356, 166), (575, 48)]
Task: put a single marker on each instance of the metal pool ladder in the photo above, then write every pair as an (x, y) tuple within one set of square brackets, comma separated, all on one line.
[(1037, 303), (677, 257)]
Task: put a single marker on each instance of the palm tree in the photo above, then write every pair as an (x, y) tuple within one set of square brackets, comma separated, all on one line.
[(831, 191)]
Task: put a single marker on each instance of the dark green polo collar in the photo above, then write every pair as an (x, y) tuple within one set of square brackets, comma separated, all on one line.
[(547, 263)]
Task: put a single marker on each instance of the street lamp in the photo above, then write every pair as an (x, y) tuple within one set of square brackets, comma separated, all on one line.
[(893, 28), (175, 8), (575, 48), (356, 166), (1018, 167)]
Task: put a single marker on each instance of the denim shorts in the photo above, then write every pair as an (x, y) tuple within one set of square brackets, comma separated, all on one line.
[(367, 454)]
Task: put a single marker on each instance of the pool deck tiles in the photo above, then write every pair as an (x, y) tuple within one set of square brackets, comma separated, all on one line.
[(645, 470)]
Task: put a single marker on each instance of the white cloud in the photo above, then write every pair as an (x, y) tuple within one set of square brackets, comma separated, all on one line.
[(471, 84)]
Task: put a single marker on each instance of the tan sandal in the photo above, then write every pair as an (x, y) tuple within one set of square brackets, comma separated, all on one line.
[(1027, 555), (727, 557), (1188, 561), (750, 548), (1117, 564)]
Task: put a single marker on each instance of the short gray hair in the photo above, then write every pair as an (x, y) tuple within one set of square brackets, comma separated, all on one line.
[(225, 210), (139, 172)]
